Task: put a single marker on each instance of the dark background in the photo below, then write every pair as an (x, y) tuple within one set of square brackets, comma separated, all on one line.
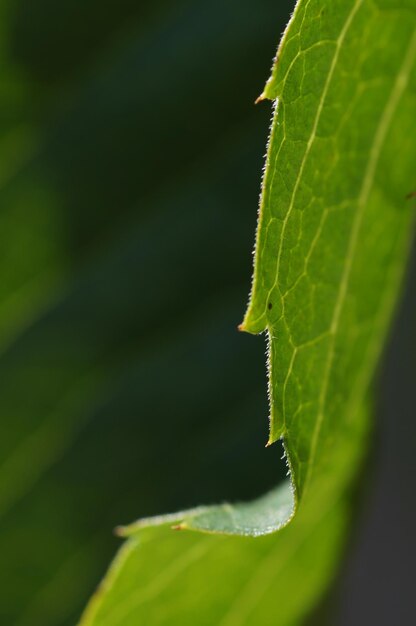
[(131, 156)]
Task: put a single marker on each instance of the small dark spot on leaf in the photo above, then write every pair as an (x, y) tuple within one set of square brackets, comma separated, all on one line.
[(269, 306)]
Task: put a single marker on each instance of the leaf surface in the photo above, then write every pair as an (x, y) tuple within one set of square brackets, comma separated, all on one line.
[(333, 237)]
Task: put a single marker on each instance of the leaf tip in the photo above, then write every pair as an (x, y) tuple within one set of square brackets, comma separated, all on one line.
[(120, 531), (261, 97)]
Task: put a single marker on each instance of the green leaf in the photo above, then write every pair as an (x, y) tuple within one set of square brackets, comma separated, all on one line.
[(335, 225), (333, 238)]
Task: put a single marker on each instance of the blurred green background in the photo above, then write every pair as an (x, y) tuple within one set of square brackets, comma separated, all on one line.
[(131, 155)]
